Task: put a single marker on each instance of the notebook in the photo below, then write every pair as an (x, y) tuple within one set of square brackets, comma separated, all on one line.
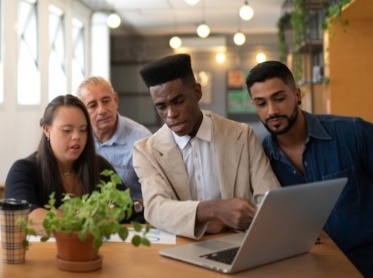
[(287, 223)]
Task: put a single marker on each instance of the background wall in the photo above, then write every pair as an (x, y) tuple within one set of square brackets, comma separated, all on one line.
[(350, 62), (130, 53), (19, 124)]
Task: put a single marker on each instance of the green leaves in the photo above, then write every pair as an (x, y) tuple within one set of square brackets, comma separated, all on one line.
[(334, 12), (26, 225), (140, 239), (98, 214), (123, 233)]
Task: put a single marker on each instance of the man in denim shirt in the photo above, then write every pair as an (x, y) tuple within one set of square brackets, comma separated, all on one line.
[(305, 148), (114, 134)]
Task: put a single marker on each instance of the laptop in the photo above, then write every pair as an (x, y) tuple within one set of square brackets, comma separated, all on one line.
[(287, 223)]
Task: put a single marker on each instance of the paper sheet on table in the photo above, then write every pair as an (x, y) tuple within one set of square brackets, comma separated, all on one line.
[(155, 236)]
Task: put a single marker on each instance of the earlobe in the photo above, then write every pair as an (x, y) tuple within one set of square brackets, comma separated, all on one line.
[(198, 91), (116, 98), (46, 131), (298, 94)]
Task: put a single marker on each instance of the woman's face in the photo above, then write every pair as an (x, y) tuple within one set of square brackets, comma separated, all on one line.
[(67, 134)]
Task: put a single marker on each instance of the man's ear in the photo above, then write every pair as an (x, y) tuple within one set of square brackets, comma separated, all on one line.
[(116, 98), (298, 95), (198, 91)]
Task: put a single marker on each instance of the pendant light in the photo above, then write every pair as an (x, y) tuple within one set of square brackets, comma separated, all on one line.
[(261, 57), (203, 30), (113, 20), (246, 12), (239, 38), (175, 42)]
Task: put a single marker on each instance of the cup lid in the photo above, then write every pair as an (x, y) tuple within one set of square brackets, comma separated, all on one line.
[(14, 204)]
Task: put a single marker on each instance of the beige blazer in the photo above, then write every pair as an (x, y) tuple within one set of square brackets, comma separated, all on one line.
[(243, 171)]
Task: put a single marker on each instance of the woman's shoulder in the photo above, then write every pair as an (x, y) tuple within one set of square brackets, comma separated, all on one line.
[(25, 163), (25, 167)]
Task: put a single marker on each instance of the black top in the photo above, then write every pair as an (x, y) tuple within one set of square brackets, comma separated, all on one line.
[(22, 183)]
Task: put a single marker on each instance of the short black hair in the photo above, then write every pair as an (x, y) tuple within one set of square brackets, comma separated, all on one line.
[(167, 69), (267, 70)]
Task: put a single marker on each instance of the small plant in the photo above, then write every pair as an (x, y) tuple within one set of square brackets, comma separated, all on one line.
[(98, 214), (334, 13)]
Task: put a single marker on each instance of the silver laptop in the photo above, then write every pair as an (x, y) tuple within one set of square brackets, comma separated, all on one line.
[(287, 223)]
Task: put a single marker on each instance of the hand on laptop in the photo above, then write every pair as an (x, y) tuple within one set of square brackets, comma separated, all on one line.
[(215, 227), (234, 213), (237, 213)]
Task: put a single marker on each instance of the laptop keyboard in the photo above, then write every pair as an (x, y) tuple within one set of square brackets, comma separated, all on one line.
[(224, 256)]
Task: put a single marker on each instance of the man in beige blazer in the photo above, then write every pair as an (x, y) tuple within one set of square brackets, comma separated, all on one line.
[(199, 172)]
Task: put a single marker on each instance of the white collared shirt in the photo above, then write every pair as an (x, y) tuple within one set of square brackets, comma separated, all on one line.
[(200, 162)]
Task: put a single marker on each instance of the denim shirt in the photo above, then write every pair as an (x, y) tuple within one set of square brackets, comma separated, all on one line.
[(336, 147), (118, 151)]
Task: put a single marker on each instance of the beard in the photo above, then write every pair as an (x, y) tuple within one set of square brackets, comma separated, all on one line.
[(290, 122)]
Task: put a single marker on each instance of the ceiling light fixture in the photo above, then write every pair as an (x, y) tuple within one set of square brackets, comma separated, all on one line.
[(261, 57), (239, 38), (220, 57), (246, 12), (113, 20), (175, 42), (203, 30), (191, 2)]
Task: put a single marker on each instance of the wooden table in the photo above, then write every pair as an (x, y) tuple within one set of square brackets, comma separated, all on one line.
[(124, 260)]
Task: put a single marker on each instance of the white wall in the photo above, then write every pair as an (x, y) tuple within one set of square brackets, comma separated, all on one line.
[(18, 130), (19, 125)]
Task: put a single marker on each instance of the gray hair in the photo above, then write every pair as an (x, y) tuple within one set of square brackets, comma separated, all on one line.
[(94, 80)]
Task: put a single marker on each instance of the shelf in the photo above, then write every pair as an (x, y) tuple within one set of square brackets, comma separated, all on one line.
[(311, 46)]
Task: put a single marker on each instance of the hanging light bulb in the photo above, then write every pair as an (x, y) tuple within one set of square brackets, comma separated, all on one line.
[(220, 57), (191, 2), (239, 38), (113, 20), (175, 42), (261, 57), (203, 30), (246, 12)]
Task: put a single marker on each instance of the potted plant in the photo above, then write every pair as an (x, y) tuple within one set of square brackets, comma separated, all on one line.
[(81, 224)]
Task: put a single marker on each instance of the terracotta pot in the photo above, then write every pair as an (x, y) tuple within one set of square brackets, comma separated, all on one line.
[(76, 255), (71, 248)]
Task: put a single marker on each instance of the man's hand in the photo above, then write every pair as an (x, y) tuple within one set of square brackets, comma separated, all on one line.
[(235, 213), (215, 227)]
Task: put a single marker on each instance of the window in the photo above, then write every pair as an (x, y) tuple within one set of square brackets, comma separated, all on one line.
[(57, 68), (78, 62), (28, 79), (1, 55)]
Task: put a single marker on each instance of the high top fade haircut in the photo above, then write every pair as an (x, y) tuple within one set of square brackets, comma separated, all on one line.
[(168, 68), (268, 70)]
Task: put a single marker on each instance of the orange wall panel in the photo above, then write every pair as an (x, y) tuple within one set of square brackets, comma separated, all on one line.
[(351, 62)]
